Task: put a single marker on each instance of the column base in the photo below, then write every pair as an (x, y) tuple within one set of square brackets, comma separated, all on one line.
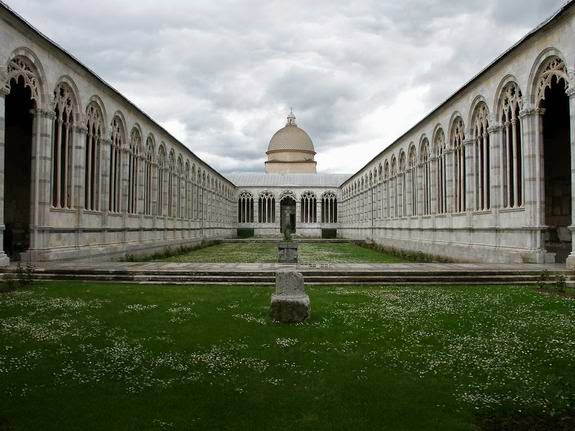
[(4, 259), (570, 263)]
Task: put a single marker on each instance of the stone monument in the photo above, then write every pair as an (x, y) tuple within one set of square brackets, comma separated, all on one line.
[(290, 303)]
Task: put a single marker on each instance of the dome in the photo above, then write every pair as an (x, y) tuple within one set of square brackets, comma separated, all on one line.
[(291, 137)]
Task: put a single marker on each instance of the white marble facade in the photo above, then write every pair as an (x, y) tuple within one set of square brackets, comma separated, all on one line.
[(487, 176)]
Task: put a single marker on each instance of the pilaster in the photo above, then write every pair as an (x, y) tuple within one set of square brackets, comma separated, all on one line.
[(41, 173)]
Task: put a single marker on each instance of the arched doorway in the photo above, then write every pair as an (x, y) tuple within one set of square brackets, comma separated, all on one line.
[(17, 167), (557, 167), (287, 214)]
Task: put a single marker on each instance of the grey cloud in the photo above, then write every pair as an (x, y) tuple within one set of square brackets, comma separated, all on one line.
[(229, 70)]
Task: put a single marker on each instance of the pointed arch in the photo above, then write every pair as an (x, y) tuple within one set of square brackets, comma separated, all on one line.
[(65, 114), (118, 141), (93, 155), (457, 144), (481, 156), (135, 151)]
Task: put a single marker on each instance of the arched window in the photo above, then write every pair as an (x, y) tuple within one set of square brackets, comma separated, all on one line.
[(162, 170), (481, 155), (329, 208), (412, 181), (245, 208), (394, 188), (171, 173), (403, 188), (386, 212), (308, 208), (133, 170), (511, 151), (148, 176), (188, 191), (118, 139), (441, 171), (379, 192), (95, 126), (180, 196), (425, 177), (195, 193), (62, 146), (267, 208), (459, 171)]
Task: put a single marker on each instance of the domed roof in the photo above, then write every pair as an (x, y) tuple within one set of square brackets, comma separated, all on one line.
[(291, 137)]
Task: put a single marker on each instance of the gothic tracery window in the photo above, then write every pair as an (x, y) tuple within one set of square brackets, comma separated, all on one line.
[(425, 177), (92, 156), (148, 176), (133, 170), (245, 208), (266, 208), (308, 208), (403, 187), (329, 208), (412, 181), (440, 152), (481, 156), (170, 189), (459, 167), (511, 151), (161, 178), (62, 146), (115, 164), (180, 197)]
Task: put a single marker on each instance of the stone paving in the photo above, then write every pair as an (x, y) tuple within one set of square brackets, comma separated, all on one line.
[(273, 267)]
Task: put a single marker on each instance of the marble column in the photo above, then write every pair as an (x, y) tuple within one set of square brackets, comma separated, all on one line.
[(571, 94), (470, 189), (496, 172), (4, 260)]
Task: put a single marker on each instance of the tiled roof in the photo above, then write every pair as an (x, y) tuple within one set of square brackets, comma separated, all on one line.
[(287, 180)]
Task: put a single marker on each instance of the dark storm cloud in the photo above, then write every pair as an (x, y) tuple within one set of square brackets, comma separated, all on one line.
[(221, 75)]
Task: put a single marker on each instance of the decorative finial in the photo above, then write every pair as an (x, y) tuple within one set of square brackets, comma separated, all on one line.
[(291, 118)]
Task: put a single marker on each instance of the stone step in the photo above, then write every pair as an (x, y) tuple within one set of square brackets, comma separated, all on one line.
[(315, 277)]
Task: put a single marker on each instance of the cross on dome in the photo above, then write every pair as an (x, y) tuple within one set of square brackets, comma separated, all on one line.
[(291, 119)]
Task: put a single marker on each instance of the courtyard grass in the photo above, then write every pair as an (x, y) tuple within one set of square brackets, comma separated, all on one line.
[(261, 252), (81, 356)]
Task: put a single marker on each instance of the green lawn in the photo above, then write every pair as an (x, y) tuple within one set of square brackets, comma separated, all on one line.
[(267, 252), (81, 356)]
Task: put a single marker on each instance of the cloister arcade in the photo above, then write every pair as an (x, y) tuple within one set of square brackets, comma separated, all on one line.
[(486, 176), (498, 189), (75, 186)]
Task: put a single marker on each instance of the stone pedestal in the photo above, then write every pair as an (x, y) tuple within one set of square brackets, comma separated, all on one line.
[(290, 303), (287, 252)]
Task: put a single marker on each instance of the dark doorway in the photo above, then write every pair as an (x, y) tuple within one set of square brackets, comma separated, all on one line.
[(557, 156), (287, 214), (18, 169)]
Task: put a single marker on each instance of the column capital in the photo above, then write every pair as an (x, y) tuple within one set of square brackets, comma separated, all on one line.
[(495, 129), (571, 92), (4, 91), (526, 112), (469, 141), (83, 130), (43, 113)]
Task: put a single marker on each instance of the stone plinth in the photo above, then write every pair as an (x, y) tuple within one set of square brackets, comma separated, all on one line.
[(290, 303), (287, 252)]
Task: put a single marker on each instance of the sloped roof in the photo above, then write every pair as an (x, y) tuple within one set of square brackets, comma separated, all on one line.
[(287, 180)]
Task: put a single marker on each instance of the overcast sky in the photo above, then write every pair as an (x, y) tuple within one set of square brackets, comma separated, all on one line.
[(220, 75)]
